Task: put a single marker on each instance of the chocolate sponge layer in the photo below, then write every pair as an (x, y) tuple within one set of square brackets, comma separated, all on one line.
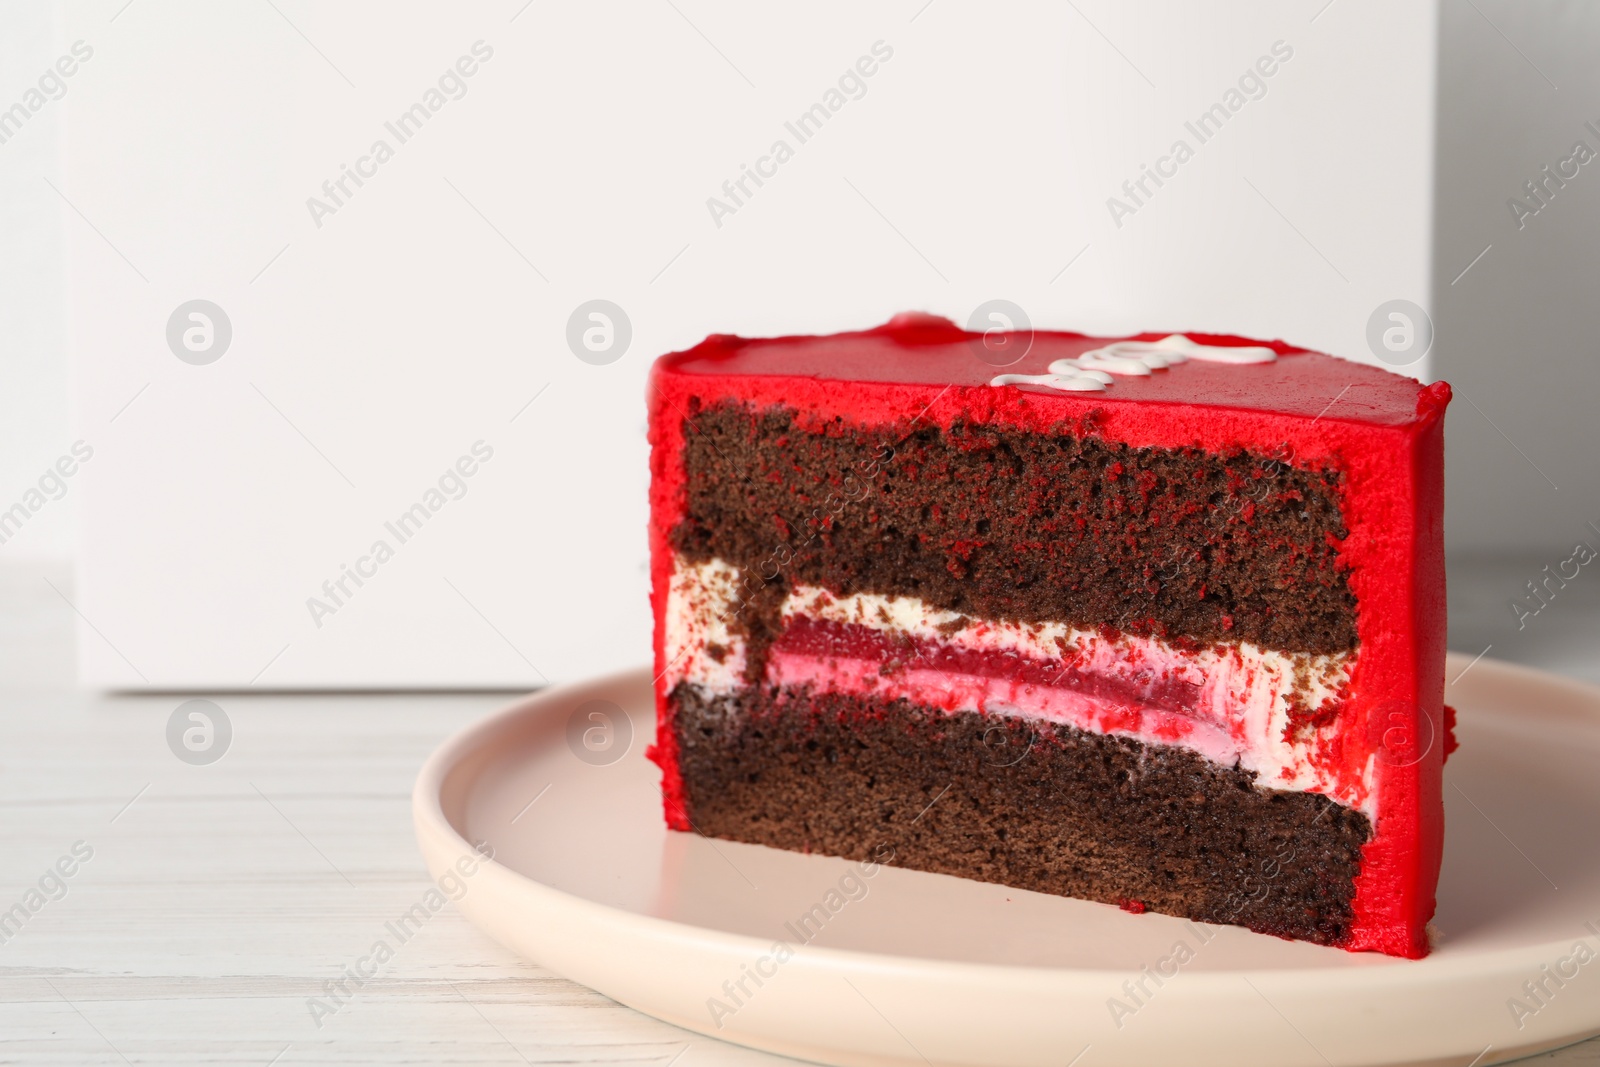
[(1022, 803), (1005, 524)]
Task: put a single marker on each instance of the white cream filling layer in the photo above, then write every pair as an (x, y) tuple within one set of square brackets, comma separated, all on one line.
[(701, 647), (1238, 710)]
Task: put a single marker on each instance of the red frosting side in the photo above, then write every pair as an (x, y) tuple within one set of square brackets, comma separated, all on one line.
[(1382, 430)]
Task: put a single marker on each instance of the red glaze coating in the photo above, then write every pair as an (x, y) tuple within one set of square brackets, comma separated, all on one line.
[(1382, 430)]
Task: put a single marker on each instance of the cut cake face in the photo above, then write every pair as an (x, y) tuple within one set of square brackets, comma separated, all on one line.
[(1153, 621)]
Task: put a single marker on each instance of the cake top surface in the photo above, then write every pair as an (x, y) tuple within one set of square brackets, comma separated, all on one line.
[(919, 349)]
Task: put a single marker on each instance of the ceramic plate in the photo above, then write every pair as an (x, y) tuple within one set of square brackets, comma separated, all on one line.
[(827, 960)]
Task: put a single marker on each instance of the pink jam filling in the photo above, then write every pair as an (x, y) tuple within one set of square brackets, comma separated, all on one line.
[(1154, 705), (841, 658)]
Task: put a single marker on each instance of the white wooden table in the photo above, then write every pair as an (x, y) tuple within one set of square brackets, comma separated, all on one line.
[(219, 899)]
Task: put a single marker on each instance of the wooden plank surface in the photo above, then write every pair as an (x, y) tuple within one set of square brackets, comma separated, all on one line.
[(219, 899)]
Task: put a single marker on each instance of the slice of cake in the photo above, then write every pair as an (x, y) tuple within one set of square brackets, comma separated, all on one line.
[(1153, 621)]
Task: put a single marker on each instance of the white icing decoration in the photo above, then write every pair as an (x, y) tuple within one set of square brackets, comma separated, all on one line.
[(1070, 380), (1139, 359), (1142, 357)]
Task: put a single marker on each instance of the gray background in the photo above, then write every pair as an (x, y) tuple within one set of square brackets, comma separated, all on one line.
[(1517, 336)]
